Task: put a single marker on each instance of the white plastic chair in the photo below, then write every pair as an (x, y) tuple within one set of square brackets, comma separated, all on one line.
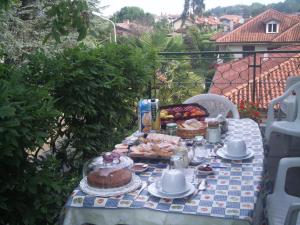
[(215, 105), (288, 105), (282, 208), (286, 127)]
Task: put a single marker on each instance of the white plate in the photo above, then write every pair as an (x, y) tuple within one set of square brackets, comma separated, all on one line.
[(187, 188), (143, 169), (223, 154), (155, 192), (109, 192)]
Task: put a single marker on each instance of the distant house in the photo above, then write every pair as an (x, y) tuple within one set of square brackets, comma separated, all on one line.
[(127, 28), (269, 30), (176, 24), (210, 22), (230, 22), (235, 79)]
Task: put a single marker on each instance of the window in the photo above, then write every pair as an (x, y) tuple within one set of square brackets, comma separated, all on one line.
[(272, 27), (248, 48)]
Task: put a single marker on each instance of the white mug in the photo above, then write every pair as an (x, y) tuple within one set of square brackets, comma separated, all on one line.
[(236, 148), (172, 182)]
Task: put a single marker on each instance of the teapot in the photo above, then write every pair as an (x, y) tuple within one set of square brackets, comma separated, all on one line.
[(187, 155)]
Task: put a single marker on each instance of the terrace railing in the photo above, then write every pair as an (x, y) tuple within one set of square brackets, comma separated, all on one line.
[(256, 76)]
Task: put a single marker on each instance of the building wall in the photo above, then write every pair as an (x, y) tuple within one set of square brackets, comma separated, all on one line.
[(239, 47), (177, 24)]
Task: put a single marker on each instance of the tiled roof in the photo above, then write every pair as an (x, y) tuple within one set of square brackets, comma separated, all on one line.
[(217, 35), (235, 79), (211, 21), (254, 29)]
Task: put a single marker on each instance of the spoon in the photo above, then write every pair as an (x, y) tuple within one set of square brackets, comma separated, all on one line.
[(144, 185)]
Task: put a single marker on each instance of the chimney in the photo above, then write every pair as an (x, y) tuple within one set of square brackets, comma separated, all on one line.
[(126, 21), (225, 28), (230, 25)]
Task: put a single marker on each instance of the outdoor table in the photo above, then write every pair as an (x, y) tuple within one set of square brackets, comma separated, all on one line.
[(233, 194)]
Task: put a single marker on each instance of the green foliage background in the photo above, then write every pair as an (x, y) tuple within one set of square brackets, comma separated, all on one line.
[(67, 95), (288, 6)]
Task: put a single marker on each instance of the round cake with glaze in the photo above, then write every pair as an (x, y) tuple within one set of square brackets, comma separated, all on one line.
[(108, 178), (110, 170)]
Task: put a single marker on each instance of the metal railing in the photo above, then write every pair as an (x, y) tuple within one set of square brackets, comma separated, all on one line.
[(258, 77)]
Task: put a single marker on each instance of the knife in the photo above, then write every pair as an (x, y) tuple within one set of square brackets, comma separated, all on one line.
[(201, 187)]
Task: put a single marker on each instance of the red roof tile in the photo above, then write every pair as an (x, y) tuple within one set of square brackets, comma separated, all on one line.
[(269, 85), (254, 29), (235, 79), (210, 21)]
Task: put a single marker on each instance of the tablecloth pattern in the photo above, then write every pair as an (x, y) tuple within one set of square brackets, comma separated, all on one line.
[(231, 193)]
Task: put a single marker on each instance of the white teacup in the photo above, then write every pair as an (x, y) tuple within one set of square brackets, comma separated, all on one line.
[(172, 182), (236, 148)]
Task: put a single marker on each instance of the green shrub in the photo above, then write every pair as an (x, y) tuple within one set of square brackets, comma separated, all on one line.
[(32, 189), (80, 102), (96, 91)]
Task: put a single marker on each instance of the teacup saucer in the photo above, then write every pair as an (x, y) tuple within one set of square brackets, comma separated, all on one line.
[(157, 193), (187, 188), (222, 152)]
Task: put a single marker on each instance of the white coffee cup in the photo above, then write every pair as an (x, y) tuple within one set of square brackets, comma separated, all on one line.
[(172, 182), (236, 148)]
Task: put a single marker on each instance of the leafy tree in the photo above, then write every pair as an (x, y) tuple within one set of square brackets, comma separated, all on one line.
[(176, 82), (32, 187), (193, 7), (199, 40), (25, 29), (288, 6), (95, 90), (133, 13), (64, 16)]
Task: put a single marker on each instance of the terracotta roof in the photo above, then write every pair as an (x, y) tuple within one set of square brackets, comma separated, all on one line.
[(233, 18), (254, 29), (269, 85), (235, 79), (217, 35), (210, 21)]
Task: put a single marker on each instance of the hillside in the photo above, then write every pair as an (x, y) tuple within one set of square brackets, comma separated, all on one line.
[(288, 6)]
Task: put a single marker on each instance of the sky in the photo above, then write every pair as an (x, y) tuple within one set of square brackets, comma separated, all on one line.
[(170, 6)]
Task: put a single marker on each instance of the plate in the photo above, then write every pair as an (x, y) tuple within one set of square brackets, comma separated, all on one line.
[(223, 154), (178, 193), (109, 192), (140, 167), (155, 192)]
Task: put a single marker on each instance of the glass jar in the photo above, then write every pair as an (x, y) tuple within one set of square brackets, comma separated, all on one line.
[(171, 129), (213, 134), (223, 123)]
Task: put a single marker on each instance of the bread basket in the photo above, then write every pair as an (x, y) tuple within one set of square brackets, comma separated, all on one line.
[(191, 133)]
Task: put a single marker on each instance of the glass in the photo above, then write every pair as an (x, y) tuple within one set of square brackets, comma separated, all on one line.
[(171, 129), (213, 134), (176, 162), (201, 151)]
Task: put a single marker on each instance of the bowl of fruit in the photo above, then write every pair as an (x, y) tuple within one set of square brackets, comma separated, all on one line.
[(182, 112)]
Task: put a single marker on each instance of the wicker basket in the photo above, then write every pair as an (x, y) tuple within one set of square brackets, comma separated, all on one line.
[(189, 133)]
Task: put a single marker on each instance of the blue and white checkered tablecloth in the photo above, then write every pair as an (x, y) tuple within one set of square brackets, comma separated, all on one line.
[(232, 192)]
